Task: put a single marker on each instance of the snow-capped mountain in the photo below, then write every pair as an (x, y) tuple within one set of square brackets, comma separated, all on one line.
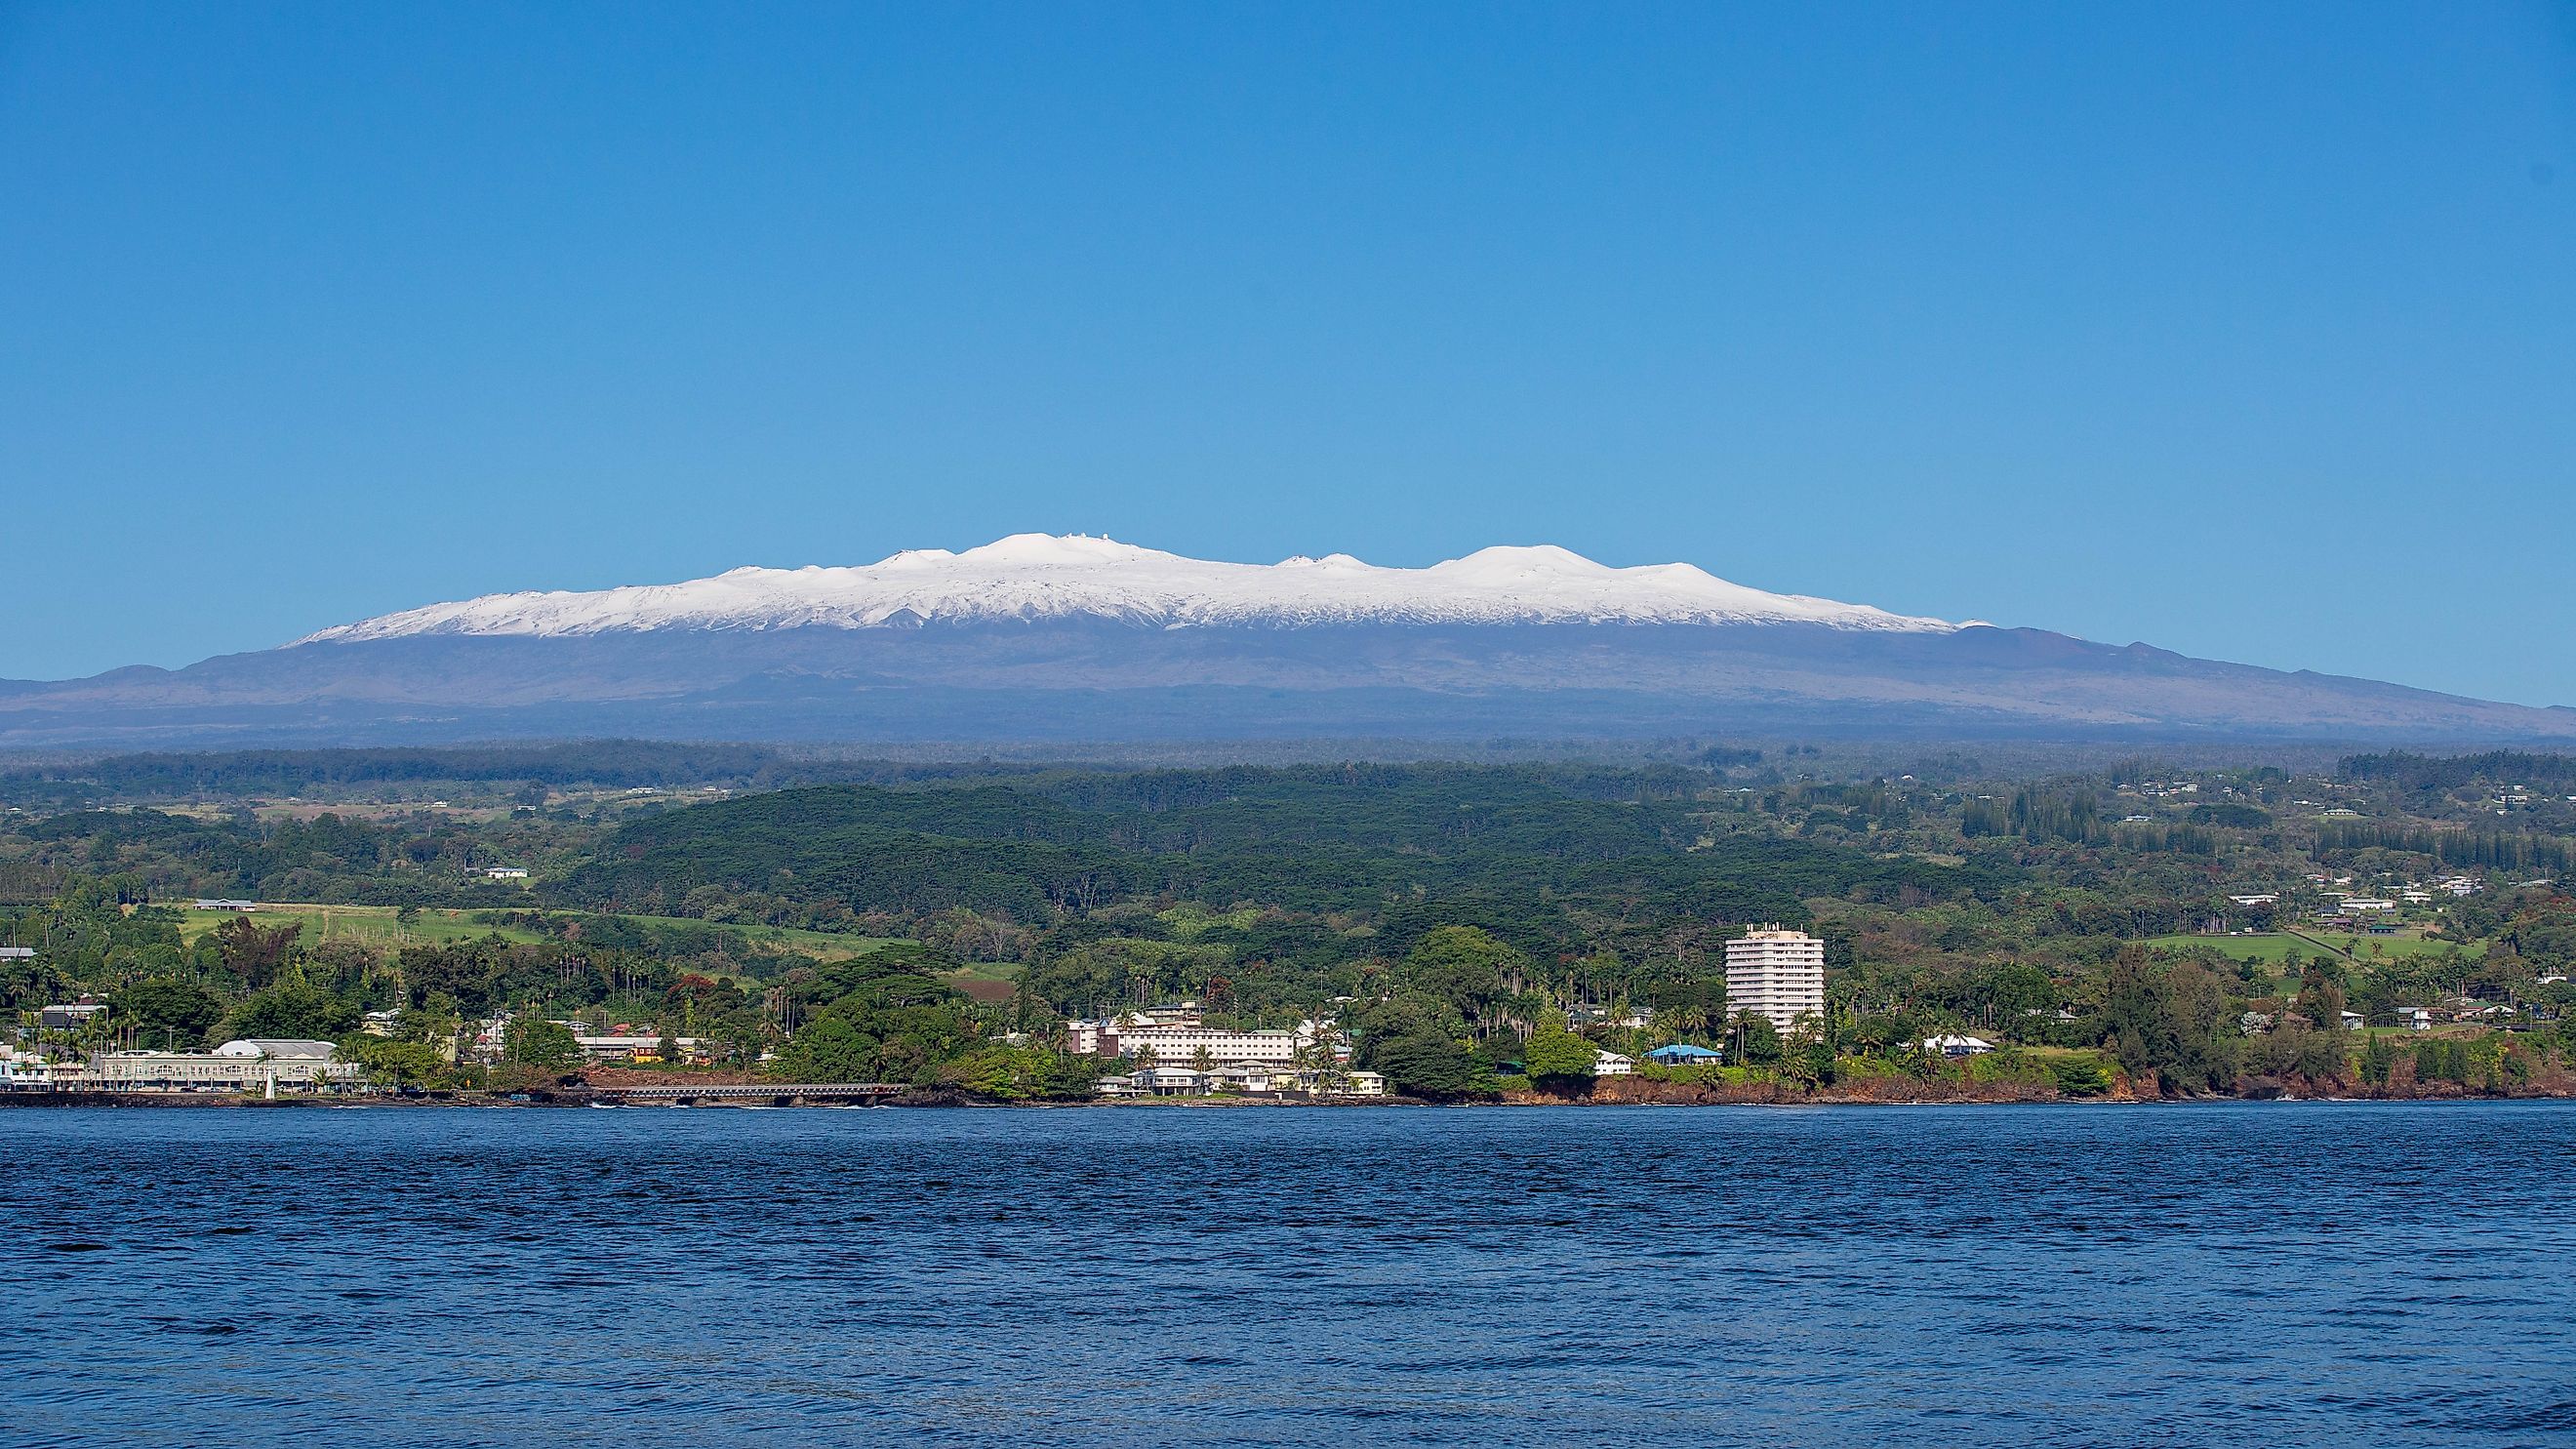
[(1033, 576), (1081, 642)]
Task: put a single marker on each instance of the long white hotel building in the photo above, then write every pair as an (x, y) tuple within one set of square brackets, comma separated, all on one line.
[(1776, 974), (1177, 1034)]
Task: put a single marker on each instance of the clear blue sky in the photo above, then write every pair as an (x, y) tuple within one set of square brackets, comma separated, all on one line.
[(2245, 329)]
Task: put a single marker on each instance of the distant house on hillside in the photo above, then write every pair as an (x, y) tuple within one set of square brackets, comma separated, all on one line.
[(505, 872), (68, 1017)]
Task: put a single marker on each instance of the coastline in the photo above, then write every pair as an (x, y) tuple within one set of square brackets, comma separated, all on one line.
[(1882, 1092)]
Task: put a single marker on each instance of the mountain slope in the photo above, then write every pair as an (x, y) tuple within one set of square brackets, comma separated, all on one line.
[(1082, 640)]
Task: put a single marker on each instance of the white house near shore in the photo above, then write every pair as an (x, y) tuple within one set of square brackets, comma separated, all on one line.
[(1250, 1081)]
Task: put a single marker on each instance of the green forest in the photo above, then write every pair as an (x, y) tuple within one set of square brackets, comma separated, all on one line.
[(847, 920)]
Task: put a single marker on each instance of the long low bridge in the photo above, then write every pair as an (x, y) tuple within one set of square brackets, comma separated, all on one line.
[(755, 1094)]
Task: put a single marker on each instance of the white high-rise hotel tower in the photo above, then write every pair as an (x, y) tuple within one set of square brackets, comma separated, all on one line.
[(1776, 974)]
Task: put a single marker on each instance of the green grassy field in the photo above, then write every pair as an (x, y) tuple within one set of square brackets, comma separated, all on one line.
[(375, 925), (2271, 949)]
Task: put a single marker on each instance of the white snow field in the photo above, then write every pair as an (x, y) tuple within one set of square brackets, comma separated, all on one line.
[(1038, 576)]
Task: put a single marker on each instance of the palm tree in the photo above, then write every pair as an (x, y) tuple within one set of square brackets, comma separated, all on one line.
[(1317, 1057)]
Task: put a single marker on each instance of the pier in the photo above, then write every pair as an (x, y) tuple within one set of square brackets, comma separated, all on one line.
[(756, 1094)]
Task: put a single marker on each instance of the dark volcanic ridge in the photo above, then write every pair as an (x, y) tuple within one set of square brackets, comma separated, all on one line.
[(1071, 680)]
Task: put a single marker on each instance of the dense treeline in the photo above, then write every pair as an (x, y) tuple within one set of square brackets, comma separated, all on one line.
[(2036, 815), (605, 764), (2493, 848), (1397, 850), (2452, 772), (329, 858)]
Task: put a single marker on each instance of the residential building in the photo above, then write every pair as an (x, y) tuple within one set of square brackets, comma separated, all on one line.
[(505, 872), (1259, 1081), (1775, 974), (70, 1016), (243, 907), (29, 1071), (632, 1047), (1169, 1081), (1098, 1037), (1611, 1064), (491, 1036), (1970, 1046), (1170, 1013), (1683, 1054)]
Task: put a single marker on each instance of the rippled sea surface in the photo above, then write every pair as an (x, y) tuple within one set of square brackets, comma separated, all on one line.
[(2308, 1273)]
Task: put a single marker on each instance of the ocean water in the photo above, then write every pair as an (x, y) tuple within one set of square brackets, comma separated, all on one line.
[(2309, 1273)]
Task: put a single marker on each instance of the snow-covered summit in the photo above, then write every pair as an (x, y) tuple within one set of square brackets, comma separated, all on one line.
[(1034, 576)]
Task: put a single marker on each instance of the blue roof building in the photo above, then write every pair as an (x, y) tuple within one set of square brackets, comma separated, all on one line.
[(1682, 1054)]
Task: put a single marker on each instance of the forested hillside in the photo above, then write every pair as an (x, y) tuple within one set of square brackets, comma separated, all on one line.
[(2137, 909)]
